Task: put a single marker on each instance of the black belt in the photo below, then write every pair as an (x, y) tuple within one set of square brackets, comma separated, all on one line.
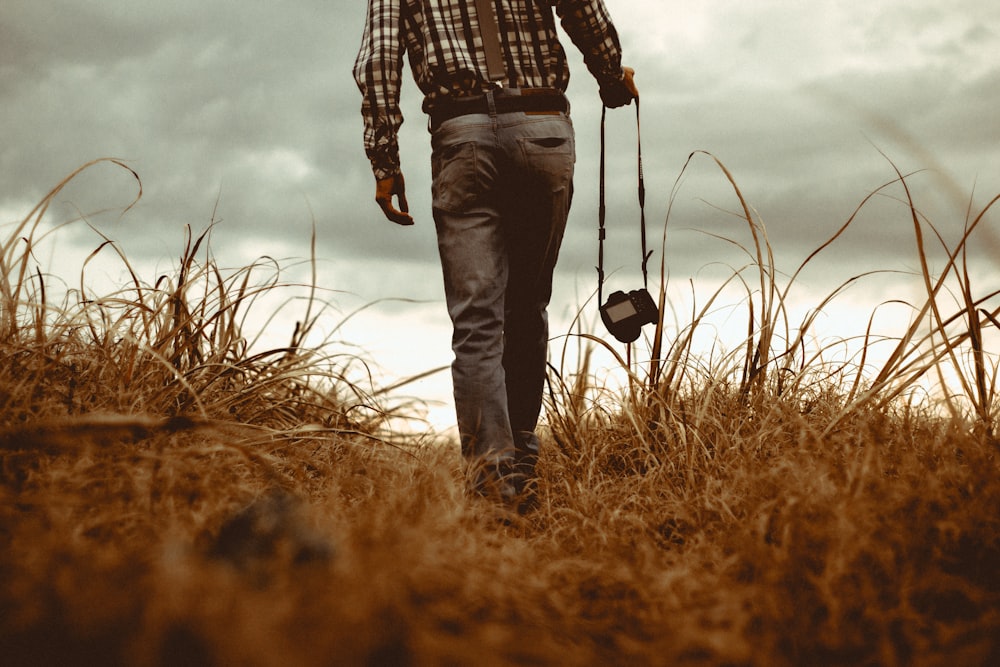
[(529, 100)]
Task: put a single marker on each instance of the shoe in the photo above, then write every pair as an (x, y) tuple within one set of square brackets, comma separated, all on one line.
[(510, 484), (494, 482), (525, 481)]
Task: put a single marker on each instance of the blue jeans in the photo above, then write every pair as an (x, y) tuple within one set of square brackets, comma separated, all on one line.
[(502, 186)]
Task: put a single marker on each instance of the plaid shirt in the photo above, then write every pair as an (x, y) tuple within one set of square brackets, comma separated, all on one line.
[(447, 58)]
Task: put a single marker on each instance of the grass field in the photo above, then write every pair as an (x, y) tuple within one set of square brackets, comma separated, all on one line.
[(172, 496)]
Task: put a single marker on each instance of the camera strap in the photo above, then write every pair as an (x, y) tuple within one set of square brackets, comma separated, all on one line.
[(602, 206)]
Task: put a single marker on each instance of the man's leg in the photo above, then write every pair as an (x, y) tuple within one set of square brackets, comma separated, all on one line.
[(535, 208), (473, 254)]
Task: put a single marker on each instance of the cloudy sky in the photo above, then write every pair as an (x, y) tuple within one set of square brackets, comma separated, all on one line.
[(248, 112)]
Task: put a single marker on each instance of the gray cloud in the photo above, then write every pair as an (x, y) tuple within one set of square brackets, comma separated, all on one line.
[(251, 107)]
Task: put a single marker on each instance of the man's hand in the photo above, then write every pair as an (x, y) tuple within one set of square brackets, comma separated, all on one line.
[(623, 92), (630, 81), (385, 189)]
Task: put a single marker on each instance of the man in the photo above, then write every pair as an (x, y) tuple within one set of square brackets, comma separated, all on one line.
[(502, 178)]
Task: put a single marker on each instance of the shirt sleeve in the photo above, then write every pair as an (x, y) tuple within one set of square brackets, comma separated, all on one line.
[(378, 72), (588, 24)]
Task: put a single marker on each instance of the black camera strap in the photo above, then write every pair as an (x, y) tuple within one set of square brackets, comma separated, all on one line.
[(602, 207)]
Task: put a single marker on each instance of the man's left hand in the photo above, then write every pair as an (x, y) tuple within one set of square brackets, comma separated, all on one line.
[(623, 92)]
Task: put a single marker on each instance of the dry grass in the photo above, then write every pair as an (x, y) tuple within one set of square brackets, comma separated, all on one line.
[(169, 497)]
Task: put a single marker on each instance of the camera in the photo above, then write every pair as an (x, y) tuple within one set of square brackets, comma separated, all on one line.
[(624, 314)]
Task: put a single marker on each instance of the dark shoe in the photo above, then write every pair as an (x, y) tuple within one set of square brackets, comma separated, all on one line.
[(494, 482), (508, 484), (527, 497), (520, 487)]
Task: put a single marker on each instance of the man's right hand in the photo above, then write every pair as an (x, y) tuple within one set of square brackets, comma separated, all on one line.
[(385, 189)]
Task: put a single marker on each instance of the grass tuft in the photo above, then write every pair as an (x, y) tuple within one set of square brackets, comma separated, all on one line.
[(172, 495)]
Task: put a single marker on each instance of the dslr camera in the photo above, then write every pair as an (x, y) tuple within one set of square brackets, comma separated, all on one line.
[(624, 314)]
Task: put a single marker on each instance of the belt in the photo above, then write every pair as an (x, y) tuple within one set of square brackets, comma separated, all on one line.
[(505, 100)]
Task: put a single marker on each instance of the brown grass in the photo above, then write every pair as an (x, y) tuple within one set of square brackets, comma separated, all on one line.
[(170, 497)]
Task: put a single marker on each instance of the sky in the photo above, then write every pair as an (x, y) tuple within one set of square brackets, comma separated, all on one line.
[(247, 114)]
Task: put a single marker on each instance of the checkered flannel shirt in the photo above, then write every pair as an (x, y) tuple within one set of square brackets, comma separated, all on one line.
[(447, 59)]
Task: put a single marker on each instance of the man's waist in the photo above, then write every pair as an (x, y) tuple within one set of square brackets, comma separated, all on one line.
[(505, 100)]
